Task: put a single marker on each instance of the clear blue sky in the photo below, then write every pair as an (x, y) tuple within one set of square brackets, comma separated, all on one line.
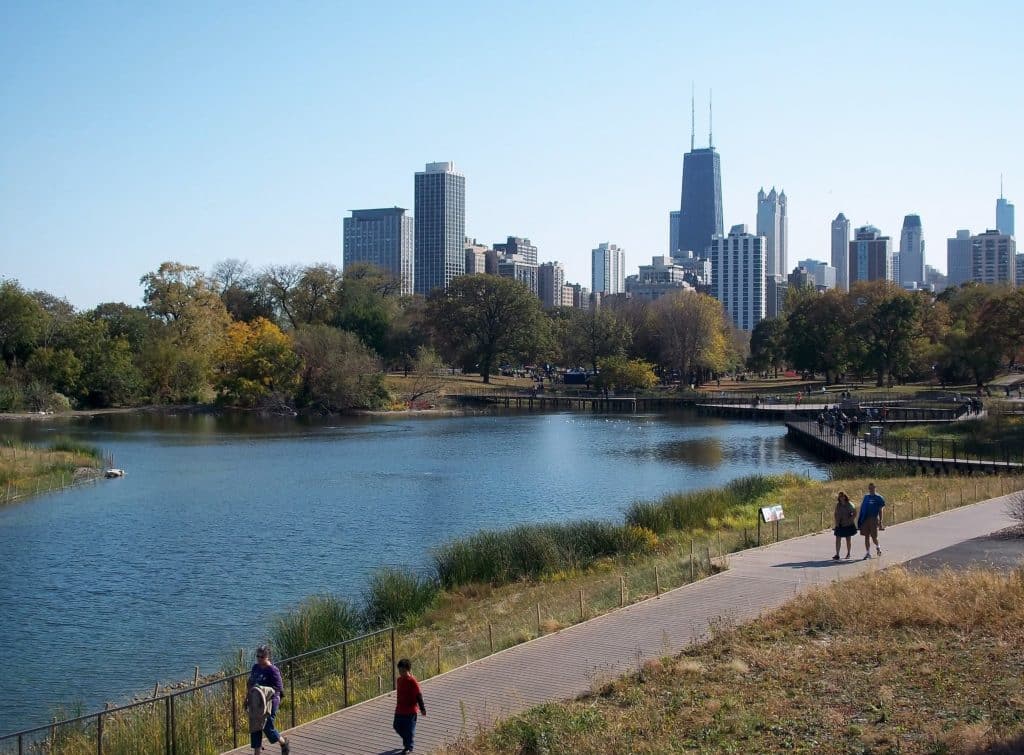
[(134, 133)]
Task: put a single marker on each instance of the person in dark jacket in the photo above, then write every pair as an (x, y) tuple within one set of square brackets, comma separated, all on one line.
[(266, 674)]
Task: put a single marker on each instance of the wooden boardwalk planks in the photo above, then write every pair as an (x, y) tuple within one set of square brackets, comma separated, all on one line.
[(575, 660)]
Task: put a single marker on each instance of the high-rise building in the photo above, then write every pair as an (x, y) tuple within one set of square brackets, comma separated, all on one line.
[(911, 272), (608, 269), (824, 274), (476, 257), (568, 295), (1004, 213), (384, 238), (662, 276), (958, 258), (440, 215), (550, 282), (841, 251), (776, 288), (738, 275), (773, 224), (994, 258), (517, 249), (524, 272), (700, 206), (870, 255), (580, 296), (673, 233)]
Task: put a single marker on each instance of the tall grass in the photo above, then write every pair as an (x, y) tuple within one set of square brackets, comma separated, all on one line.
[(530, 551), (71, 446), (394, 596), (706, 508), (851, 470), (317, 622)]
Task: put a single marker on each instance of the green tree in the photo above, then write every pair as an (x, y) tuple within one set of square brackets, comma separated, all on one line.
[(22, 320), (594, 335), (768, 346), (58, 368), (482, 319), (367, 304), (886, 322), (818, 334), (338, 371)]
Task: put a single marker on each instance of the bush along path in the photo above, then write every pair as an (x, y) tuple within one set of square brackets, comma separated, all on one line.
[(571, 662)]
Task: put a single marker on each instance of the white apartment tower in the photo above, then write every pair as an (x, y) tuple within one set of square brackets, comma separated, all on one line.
[(738, 275), (841, 251), (773, 224), (994, 258), (911, 270), (608, 269)]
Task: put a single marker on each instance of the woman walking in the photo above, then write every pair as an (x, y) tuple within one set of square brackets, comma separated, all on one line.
[(263, 697), (845, 517)]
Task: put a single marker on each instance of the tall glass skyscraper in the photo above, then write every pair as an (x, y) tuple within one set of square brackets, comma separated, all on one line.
[(911, 252), (1004, 213), (773, 224), (841, 251), (440, 226), (700, 208), (383, 238)]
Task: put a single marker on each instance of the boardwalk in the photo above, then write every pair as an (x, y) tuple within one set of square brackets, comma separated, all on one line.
[(570, 662)]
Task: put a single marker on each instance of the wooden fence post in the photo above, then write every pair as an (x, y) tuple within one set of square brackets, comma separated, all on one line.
[(581, 605), (622, 591), (657, 583)]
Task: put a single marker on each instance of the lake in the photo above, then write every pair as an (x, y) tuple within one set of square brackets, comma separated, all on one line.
[(221, 522)]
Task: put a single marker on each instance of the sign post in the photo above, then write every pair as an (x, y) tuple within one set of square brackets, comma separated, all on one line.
[(770, 514)]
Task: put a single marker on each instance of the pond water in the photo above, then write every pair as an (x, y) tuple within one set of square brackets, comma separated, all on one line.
[(221, 522)]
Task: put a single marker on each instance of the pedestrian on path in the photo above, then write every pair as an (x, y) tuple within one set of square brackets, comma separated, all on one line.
[(845, 517), (263, 678), (409, 697), (869, 519)]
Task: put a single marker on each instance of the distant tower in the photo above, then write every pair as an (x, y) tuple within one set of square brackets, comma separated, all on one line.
[(673, 233), (440, 226), (772, 223), (994, 258), (870, 255), (738, 277), (700, 207), (1004, 213), (608, 272), (841, 251), (958, 258), (382, 237), (911, 253)]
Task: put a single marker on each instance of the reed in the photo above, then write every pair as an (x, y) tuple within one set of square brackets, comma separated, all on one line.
[(317, 622), (393, 596)]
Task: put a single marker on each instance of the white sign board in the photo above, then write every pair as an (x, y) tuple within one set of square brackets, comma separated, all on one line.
[(772, 513)]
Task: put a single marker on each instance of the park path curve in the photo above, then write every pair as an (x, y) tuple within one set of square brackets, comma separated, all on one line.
[(568, 663)]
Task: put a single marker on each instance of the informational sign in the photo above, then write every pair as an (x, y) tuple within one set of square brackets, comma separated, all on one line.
[(772, 513)]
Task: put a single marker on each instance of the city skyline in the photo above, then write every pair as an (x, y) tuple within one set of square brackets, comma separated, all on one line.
[(198, 133)]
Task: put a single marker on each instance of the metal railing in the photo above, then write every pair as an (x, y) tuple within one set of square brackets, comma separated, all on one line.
[(208, 717)]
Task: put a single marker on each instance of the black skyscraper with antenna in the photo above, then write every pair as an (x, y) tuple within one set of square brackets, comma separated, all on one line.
[(700, 208)]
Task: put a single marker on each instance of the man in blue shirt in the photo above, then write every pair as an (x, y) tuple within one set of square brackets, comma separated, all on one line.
[(869, 519)]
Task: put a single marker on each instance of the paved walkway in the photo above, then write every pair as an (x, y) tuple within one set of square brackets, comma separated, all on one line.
[(568, 663)]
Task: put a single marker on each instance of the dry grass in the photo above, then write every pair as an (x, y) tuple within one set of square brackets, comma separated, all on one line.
[(399, 384), (932, 667), (29, 470)]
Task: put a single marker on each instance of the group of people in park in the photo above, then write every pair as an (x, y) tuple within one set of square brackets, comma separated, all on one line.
[(867, 520), (265, 687)]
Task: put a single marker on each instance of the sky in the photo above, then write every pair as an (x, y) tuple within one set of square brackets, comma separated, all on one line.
[(135, 133)]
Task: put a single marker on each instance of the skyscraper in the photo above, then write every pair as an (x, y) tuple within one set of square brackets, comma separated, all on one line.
[(440, 222), (773, 224), (911, 253), (994, 258), (700, 207), (673, 233), (958, 258), (383, 238), (738, 276), (841, 251), (608, 269), (550, 282), (870, 255), (1004, 213)]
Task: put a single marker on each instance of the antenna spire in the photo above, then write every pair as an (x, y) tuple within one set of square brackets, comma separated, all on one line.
[(711, 143), (1000, 185), (693, 119)]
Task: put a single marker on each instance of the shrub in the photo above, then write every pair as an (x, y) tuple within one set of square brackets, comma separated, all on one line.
[(317, 622), (394, 596), (72, 446)]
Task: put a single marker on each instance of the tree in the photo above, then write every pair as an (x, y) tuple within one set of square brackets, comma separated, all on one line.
[(482, 319), (622, 374), (240, 290), (692, 329), (21, 323), (594, 335), (258, 364), (768, 346), (818, 334), (58, 368), (367, 304), (886, 322), (426, 377), (338, 371)]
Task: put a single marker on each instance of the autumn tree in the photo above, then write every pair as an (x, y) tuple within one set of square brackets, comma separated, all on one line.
[(622, 374), (480, 320), (692, 330), (258, 365)]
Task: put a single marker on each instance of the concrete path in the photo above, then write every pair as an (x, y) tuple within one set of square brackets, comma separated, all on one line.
[(572, 661)]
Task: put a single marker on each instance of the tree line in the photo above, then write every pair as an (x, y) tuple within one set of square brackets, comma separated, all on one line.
[(965, 334)]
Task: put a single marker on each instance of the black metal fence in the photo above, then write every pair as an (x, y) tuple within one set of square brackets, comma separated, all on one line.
[(209, 718)]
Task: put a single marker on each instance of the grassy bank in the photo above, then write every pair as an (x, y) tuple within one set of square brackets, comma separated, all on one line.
[(931, 668), (985, 435), (27, 470)]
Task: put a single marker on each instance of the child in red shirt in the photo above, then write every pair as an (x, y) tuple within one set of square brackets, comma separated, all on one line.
[(407, 691)]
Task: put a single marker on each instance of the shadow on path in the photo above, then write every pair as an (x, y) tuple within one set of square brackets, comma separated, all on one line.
[(814, 564)]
